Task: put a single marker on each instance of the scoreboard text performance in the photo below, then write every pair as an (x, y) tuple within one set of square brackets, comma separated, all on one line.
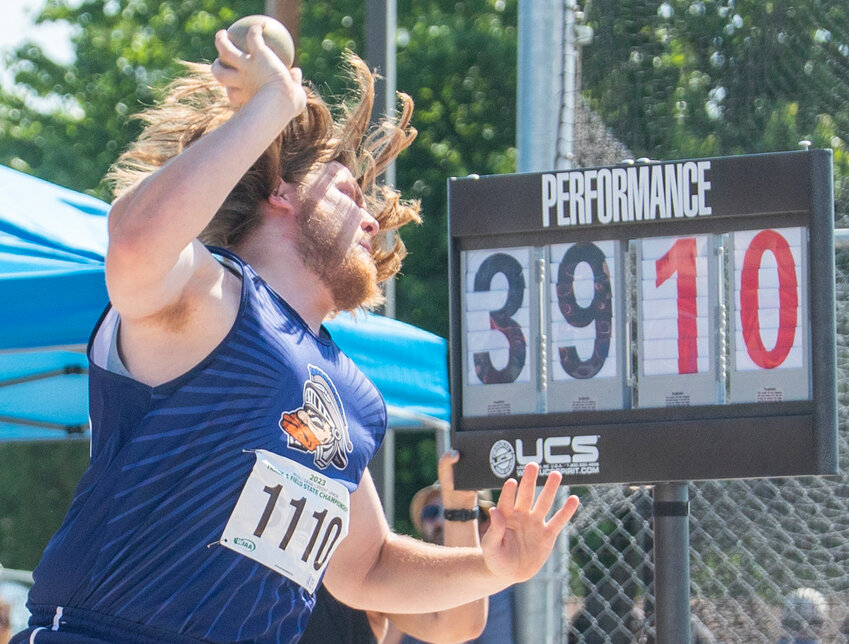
[(642, 323)]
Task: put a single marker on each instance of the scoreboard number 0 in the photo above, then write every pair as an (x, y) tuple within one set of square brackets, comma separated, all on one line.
[(780, 278)]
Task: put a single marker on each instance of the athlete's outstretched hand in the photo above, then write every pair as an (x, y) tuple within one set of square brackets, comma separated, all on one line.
[(520, 539)]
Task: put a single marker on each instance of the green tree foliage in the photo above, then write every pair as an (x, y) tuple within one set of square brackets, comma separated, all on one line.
[(459, 64), (682, 78), (68, 124), (693, 78)]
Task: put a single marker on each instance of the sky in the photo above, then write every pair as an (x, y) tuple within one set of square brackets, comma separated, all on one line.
[(16, 25)]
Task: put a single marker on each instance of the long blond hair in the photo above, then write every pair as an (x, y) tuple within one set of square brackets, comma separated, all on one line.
[(195, 104)]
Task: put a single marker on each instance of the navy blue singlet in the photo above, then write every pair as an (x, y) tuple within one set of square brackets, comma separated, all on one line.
[(132, 562)]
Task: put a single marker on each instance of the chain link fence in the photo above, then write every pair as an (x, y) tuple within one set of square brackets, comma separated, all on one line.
[(751, 543), (671, 80)]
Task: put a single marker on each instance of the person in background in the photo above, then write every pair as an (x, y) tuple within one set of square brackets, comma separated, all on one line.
[(13, 597), (844, 629), (802, 616), (444, 515)]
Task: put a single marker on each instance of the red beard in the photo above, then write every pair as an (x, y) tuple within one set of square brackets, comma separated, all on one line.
[(348, 272)]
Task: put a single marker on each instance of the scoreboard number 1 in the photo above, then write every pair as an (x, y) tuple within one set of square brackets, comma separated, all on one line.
[(678, 296)]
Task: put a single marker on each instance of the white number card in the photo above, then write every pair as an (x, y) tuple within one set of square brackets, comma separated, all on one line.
[(288, 518)]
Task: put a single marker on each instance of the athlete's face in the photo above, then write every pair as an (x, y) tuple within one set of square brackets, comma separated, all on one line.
[(335, 234)]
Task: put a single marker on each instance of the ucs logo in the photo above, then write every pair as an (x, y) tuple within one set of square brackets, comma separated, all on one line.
[(567, 454), (502, 459)]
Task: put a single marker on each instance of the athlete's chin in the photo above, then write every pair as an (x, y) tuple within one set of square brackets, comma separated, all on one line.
[(355, 285), (368, 298)]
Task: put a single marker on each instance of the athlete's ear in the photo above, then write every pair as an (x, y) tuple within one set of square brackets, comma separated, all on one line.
[(283, 196)]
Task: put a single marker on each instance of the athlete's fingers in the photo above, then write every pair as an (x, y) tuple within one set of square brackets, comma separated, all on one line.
[(507, 498), (231, 80), (253, 41), (564, 514), (228, 53), (297, 75), (527, 486), (225, 74), (497, 527), (547, 495)]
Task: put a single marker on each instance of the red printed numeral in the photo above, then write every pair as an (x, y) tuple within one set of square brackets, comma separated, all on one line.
[(768, 240), (681, 259)]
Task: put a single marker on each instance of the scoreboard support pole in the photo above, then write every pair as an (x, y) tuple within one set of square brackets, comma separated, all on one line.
[(672, 562)]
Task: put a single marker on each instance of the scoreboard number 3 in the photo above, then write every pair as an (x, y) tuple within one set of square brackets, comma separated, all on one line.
[(498, 321)]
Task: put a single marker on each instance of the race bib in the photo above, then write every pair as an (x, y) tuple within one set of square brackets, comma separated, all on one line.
[(288, 518)]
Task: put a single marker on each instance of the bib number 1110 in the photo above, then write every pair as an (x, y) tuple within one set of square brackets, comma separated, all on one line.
[(329, 536)]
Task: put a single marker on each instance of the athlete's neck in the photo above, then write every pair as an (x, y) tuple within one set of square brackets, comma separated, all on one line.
[(284, 271)]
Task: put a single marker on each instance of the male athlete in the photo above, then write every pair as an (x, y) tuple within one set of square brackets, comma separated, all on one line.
[(230, 436)]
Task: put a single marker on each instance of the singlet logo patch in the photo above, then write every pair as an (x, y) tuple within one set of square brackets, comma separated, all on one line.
[(319, 426)]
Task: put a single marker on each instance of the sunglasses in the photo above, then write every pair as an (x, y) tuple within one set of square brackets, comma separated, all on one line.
[(431, 512)]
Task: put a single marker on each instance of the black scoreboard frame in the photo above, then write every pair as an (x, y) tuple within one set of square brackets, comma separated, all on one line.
[(660, 444)]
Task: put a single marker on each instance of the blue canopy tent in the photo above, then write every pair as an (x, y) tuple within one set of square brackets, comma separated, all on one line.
[(52, 244)]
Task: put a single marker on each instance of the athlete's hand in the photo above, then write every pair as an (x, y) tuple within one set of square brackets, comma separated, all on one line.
[(243, 74), (520, 539)]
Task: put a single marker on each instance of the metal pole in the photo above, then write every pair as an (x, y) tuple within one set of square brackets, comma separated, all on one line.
[(539, 83), (381, 22), (287, 12), (671, 511), (539, 602), (388, 491), (566, 136)]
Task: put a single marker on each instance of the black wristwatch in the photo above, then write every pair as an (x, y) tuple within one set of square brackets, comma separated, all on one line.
[(462, 515)]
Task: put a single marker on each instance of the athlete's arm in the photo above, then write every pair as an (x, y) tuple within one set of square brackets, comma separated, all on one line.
[(153, 253), (374, 569)]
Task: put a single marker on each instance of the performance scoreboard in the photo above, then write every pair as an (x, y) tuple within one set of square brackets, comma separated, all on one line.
[(649, 322)]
